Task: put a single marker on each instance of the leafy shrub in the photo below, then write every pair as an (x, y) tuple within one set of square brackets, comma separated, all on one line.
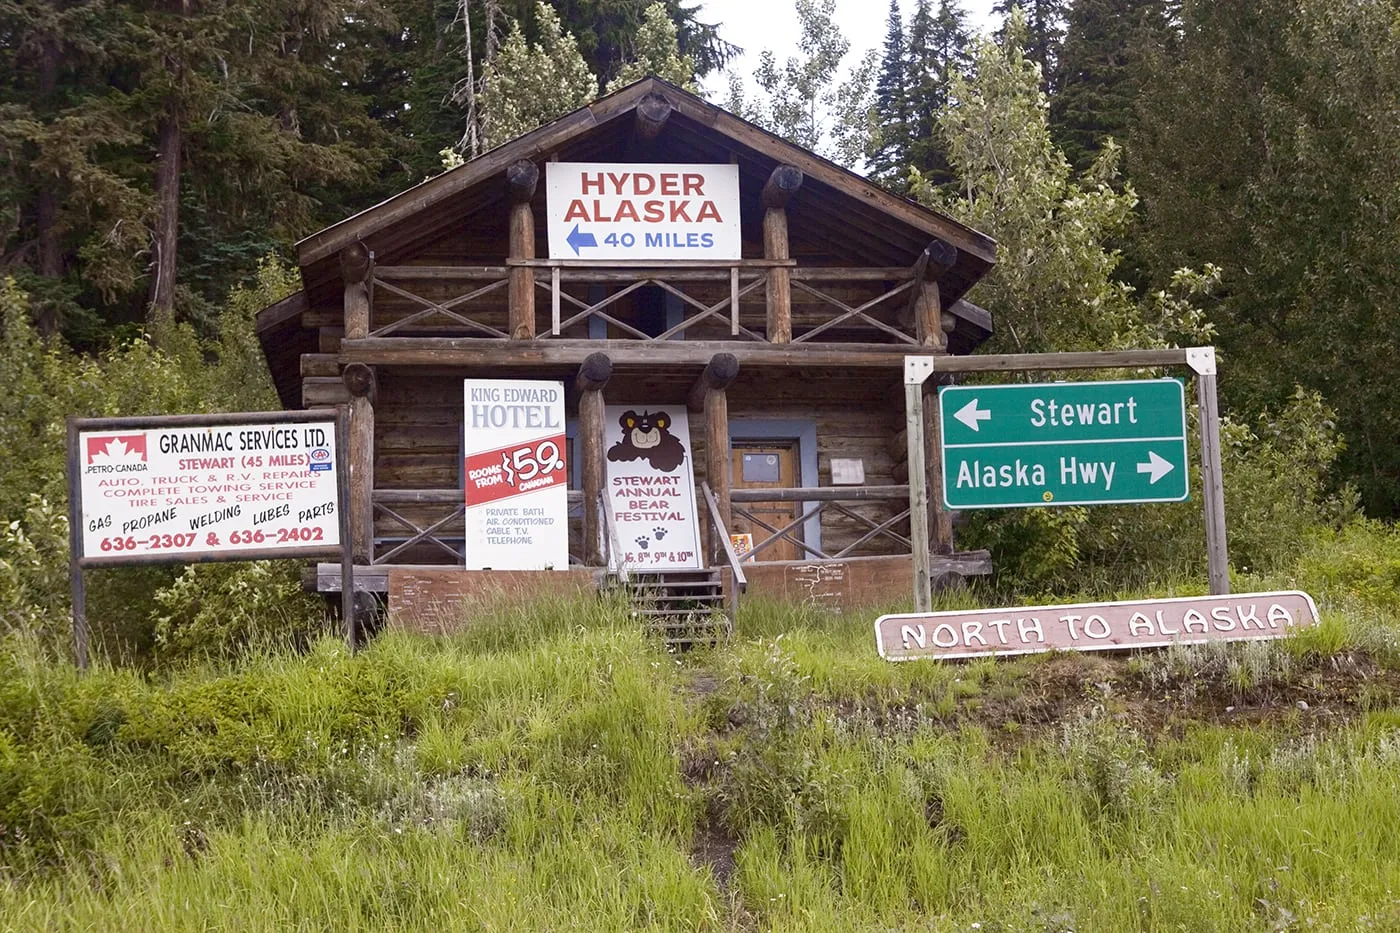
[(174, 371), (1360, 561), (212, 609), (1277, 496)]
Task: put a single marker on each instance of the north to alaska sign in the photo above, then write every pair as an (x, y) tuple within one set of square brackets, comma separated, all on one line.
[(604, 210), (1063, 443), (1146, 623)]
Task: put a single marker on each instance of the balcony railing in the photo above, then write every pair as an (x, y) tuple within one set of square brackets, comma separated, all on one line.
[(727, 298)]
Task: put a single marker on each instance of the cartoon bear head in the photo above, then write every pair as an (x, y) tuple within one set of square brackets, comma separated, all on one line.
[(647, 436)]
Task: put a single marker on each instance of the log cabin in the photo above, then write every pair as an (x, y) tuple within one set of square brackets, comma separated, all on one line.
[(788, 356)]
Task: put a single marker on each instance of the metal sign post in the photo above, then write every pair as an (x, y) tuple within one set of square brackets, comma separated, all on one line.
[(183, 489)]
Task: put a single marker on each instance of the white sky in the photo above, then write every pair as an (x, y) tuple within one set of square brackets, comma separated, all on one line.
[(755, 25)]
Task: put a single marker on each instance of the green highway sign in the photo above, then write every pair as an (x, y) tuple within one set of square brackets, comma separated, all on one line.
[(1063, 443)]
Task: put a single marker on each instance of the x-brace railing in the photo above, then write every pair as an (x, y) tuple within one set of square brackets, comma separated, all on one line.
[(859, 311), (722, 310), (444, 308), (420, 533), (787, 532)]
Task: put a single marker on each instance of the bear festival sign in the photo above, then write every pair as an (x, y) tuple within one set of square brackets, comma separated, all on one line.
[(651, 488), (642, 211)]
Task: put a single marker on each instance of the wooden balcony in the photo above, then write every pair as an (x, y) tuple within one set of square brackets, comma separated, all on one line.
[(460, 315)]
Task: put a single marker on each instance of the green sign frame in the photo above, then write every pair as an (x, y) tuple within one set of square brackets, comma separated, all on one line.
[(1027, 445)]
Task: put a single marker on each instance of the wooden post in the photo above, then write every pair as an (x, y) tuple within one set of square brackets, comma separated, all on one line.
[(782, 184), (926, 299), (593, 376), (348, 616), (710, 393), (361, 383), (355, 264), (928, 313), (1202, 360), (75, 549), (521, 179), (916, 370), (940, 522)]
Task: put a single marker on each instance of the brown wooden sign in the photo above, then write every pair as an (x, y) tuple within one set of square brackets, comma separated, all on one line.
[(1148, 623)]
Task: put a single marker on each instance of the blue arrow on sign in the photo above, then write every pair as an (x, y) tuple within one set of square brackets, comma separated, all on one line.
[(576, 239)]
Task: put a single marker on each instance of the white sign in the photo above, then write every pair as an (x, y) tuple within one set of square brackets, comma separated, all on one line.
[(516, 478), (605, 210), (212, 489), (651, 488)]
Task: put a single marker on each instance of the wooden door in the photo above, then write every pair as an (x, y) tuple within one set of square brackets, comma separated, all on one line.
[(771, 465)]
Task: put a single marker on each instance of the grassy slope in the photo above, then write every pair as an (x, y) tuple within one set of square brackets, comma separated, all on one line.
[(558, 771)]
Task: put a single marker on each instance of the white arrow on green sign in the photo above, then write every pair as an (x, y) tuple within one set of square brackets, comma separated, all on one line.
[(1063, 443)]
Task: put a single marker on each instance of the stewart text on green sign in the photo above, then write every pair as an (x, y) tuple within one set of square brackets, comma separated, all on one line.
[(1063, 443)]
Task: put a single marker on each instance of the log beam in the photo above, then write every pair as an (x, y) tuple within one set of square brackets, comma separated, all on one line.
[(522, 177), (362, 385), (722, 369), (593, 376), (594, 372), (651, 114), (500, 355), (355, 264), (782, 184), (926, 302)]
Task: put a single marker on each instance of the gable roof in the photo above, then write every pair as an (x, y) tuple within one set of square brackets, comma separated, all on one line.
[(837, 214), (890, 229)]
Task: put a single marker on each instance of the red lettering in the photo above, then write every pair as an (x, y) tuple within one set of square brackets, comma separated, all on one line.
[(655, 211), (598, 214), (618, 180), (576, 211), (678, 211), (637, 184), (692, 184), (670, 183), (626, 211), (708, 211), (592, 181)]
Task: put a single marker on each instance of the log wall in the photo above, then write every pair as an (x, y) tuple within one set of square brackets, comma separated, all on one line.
[(419, 415)]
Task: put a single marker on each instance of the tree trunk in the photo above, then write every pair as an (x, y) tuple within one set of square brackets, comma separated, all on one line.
[(46, 207), (165, 236)]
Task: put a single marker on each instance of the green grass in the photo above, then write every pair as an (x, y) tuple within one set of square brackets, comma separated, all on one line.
[(553, 769)]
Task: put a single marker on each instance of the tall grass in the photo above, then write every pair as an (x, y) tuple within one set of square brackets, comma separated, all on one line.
[(554, 769)]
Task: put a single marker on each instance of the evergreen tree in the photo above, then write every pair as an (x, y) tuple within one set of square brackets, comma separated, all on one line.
[(1100, 71), (889, 155), (1044, 31), (73, 219), (940, 49), (153, 135)]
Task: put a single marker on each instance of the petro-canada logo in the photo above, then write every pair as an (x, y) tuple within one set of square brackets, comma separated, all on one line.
[(121, 453)]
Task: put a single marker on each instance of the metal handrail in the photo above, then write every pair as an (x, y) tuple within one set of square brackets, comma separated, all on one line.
[(614, 547), (740, 582)]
